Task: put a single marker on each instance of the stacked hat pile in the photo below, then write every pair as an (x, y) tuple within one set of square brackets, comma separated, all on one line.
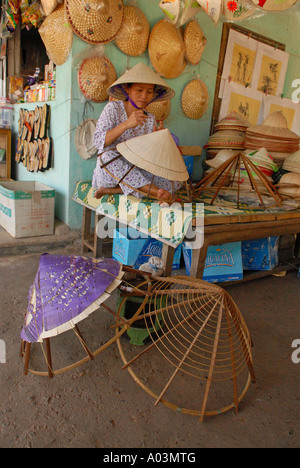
[(230, 133), (289, 184), (274, 135), (264, 162)]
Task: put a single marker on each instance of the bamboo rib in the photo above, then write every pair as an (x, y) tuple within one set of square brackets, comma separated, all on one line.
[(207, 339)]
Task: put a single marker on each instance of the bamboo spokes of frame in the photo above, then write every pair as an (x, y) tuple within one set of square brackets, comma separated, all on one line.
[(188, 184), (197, 337), (26, 347), (233, 166)]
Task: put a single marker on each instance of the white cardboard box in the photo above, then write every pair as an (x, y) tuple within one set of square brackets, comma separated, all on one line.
[(27, 208)]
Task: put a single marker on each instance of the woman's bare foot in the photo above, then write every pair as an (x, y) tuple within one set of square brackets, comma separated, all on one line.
[(107, 191)]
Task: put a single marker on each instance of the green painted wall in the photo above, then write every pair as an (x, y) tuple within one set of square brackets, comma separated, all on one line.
[(70, 106)]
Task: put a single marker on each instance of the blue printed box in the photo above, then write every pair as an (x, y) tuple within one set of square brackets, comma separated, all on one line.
[(223, 262), (133, 248), (260, 254)]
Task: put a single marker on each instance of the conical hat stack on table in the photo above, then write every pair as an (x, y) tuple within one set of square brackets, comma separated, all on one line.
[(274, 135)]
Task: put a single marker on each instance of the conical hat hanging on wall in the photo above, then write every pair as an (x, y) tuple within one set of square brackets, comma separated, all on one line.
[(166, 49), (57, 36), (96, 21), (95, 74), (157, 153), (161, 109), (195, 98), (133, 36), (274, 5), (194, 41)]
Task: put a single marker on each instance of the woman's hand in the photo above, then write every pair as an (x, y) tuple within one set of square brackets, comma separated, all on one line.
[(137, 117), (160, 126)]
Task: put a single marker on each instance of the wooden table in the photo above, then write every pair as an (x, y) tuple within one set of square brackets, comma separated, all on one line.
[(219, 229)]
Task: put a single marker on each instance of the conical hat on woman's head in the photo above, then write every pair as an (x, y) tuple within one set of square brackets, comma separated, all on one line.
[(157, 153), (95, 21), (133, 36), (140, 73)]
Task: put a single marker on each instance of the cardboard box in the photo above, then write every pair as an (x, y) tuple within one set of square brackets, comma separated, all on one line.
[(133, 248), (223, 262), (27, 208), (260, 254)]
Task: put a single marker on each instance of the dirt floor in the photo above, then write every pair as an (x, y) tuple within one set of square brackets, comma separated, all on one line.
[(100, 405)]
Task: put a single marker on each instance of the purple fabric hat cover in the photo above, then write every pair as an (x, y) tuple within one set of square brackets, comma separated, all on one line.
[(66, 290)]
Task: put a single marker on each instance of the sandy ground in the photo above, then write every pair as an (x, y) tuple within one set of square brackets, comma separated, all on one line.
[(100, 405)]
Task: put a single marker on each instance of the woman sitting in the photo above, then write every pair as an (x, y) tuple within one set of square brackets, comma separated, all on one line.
[(125, 119)]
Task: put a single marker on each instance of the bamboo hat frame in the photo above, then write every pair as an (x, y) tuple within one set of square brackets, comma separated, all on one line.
[(215, 180), (201, 342)]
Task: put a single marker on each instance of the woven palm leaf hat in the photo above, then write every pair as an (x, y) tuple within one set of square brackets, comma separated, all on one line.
[(57, 36), (166, 49), (194, 41), (160, 109), (274, 5), (133, 36), (195, 99), (94, 75), (157, 153), (140, 73), (96, 21)]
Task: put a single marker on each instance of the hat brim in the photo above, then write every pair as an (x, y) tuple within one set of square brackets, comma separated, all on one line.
[(140, 73)]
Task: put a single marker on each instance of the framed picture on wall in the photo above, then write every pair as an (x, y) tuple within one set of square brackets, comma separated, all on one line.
[(270, 70), (244, 101), (243, 63), (239, 60)]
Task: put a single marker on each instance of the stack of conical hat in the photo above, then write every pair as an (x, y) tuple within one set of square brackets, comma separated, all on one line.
[(232, 121), (263, 160), (292, 162), (230, 133), (289, 185), (274, 135)]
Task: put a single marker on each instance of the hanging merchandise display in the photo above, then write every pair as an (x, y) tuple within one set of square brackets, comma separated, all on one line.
[(166, 49), (133, 36), (34, 146), (195, 99), (95, 74), (84, 139), (57, 36), (179, 11), (47, 6), (194, 41), (160, 109), (95, 22), (213, 8), (274, 5), (238, 10)]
